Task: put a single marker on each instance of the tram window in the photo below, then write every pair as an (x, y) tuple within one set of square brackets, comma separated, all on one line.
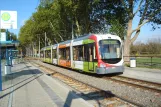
[(86, 51), (62, 53), (47, 53), (41, 54), (68, 53), (94, 52), (75, 53), (54, 53), (89, 52), (78, 53)]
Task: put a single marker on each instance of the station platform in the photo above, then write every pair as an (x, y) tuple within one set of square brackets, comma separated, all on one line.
[(27, 86), (147, 74)]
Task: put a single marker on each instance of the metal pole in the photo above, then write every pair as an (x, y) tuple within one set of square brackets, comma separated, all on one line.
[(35, 50), (32, 49), (0, 64), (72, 31), (151, 61), (21, 54), (0, 60), (10, 37), (39, 47), (30, 52), (11, 56), (45, 39)]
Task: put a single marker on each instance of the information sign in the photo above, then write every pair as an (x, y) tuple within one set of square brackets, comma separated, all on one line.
[(8, 19)]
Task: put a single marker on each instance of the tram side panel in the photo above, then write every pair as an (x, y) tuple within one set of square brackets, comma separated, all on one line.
[(48, 53), (54, 59), (83, 56), (55, 54), (64, 56)]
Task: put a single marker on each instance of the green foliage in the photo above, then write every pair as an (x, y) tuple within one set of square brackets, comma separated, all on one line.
[(127, 65), (117, 29), (9, 35), (3, 30), (152, 13), (152, 47), (58, 17)]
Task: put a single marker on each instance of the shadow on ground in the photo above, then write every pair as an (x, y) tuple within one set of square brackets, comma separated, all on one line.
[(96, 96), (15, 75)]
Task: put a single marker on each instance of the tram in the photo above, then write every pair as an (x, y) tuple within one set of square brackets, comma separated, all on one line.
[(93, 53)]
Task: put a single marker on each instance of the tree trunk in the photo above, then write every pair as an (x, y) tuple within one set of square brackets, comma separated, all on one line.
[(78, 27), (127, 43), (126, 51)]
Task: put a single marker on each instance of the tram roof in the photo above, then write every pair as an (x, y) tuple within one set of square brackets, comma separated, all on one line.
[(77, 39)]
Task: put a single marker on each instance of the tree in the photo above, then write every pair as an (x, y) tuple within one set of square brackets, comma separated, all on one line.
[(149, 11), (58, 17), (9, 35), (152, 47), (117, 28)]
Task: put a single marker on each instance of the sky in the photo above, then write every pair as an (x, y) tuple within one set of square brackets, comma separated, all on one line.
[(25, 8)]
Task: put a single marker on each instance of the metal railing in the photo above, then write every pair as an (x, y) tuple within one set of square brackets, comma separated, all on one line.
[(146, 61)]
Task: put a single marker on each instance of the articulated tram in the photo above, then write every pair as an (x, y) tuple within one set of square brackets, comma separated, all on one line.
[(93, 53)]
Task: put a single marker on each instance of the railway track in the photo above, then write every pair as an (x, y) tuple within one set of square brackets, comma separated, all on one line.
[(145, 85), (101, 97)]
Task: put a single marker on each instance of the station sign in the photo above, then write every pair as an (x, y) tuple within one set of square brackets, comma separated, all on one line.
[(8, 19)]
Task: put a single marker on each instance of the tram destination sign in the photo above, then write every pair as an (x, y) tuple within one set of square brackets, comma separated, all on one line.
[(8, 19), (110, 42)]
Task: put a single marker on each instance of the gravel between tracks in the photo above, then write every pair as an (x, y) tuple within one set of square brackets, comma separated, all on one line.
[(143, 97)]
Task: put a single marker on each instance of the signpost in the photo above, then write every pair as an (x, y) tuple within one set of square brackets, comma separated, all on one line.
[(0, 65), (8, 20)]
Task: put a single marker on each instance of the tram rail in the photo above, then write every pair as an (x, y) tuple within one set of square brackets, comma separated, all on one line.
[(102, 97), (145, 85)]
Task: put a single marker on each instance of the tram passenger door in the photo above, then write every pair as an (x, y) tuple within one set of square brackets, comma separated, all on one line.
[(91, 57)]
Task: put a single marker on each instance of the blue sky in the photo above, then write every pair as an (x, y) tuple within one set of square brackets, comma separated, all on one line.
[(25, 8)]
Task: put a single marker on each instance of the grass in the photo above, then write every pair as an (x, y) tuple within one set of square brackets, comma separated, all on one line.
[(150, 62)]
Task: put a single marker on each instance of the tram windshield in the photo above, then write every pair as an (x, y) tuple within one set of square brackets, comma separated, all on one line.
[(110, 49)]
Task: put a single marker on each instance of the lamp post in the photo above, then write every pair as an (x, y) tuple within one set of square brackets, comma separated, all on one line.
[(39, 44), (10, 37), (39, 47)]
